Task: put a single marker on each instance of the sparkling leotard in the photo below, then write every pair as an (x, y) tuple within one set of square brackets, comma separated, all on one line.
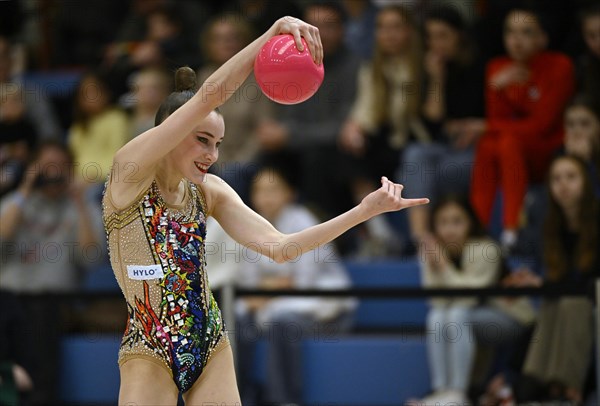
[(173, 318)]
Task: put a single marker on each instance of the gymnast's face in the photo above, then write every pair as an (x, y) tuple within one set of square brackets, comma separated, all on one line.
[(200, 149)]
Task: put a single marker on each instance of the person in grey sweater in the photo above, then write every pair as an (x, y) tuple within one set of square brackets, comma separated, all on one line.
[(49, 232)]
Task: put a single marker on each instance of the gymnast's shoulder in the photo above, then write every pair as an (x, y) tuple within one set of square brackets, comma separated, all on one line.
[(216, 191)]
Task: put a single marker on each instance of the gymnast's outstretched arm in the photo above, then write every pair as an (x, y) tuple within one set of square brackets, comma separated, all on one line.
[(255, 232)]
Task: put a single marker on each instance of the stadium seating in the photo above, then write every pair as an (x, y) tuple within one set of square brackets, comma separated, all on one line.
[(408, 314), (88, 369)]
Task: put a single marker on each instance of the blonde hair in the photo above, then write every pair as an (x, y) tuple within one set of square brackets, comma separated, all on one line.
[(380, 85)]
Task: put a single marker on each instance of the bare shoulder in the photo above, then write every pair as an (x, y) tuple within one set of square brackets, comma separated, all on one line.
[(215, 190)]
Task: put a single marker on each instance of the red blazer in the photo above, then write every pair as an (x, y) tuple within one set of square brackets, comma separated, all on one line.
[(534, 110)]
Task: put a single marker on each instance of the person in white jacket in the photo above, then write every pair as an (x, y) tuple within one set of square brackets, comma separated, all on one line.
[(286, 321), (457, 254)]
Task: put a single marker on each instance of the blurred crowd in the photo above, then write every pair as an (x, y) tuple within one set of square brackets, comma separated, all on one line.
[(490, 108)]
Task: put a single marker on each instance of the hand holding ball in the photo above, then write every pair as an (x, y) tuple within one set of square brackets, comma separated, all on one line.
[(285, 74)]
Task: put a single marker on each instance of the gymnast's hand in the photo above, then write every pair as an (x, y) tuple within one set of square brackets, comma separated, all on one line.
[(298, 28), (388, 198)]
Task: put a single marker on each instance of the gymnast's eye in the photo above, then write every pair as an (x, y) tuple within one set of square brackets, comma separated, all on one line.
[(203, 140)]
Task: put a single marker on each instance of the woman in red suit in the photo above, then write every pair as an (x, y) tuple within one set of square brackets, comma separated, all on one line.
[(526, 93)]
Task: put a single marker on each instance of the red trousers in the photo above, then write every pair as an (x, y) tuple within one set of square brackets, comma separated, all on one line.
[(511, 163)]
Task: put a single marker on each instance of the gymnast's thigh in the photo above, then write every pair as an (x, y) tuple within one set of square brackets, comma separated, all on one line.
[(217, 384), (144, 382)]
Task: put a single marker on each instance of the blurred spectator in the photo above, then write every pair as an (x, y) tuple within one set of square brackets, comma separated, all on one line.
[(17, 137), (83, 29), (222, 256), (47, 234), (453, 101), (165, 42), (98, 130), (134, 27), (48, 213), (488, 27), (502, 325), (309, 130), (582, 137), (558, 21), (360, 27), (458, 253), (588, 74), (386, 112), (275, 318), (223, 37), (526, 92), (37, 108), (149, 87), (385, 115), (560, 351), (16, 339), (262, 13)]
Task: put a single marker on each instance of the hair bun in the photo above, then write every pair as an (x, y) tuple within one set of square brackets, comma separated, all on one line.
[(185, 79)]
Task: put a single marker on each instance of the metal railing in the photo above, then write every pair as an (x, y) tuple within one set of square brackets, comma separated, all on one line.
[(229, 293)]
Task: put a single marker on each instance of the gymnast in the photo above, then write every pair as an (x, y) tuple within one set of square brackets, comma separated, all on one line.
[(156, 202)]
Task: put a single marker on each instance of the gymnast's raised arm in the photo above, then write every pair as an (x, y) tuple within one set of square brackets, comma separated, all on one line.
[(140, 155)]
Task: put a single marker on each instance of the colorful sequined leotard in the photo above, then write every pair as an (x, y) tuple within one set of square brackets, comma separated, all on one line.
[(157, 254)]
